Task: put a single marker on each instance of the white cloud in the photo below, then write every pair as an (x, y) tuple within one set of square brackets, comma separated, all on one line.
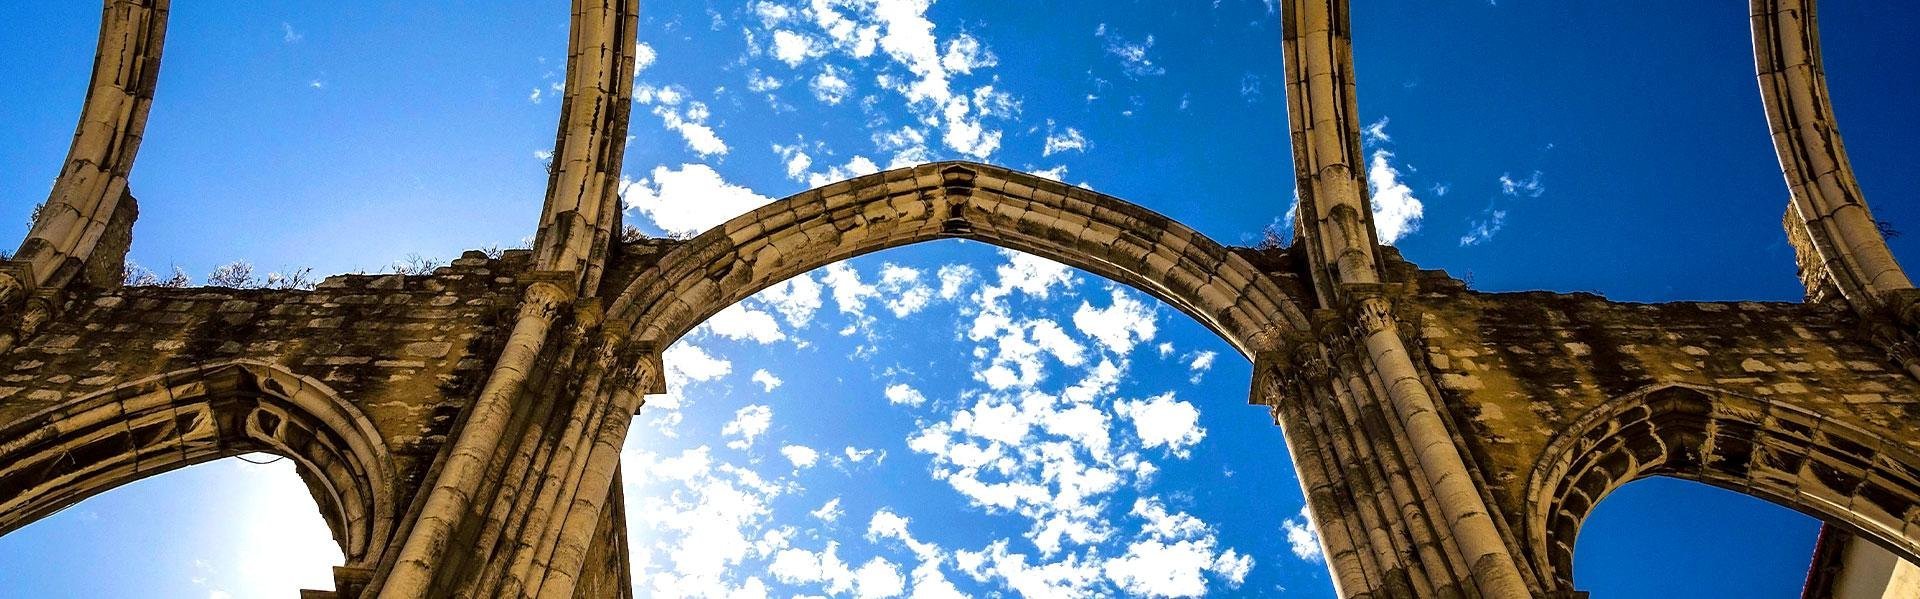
[(849, 293), (855, 167), (1376, 131), (909, 146), (828, 512), (643, 56), (290, 36), (748, 423), (796, 566), (1133, 55), (965, 53), (760, 83), (860, 455), (796, 299), (900, 289), (767, 380), (683, 116), (1303, 537), (1118, 326), (686, 364), (1162, 421), (1058, 173), (920, 65), (903, 394), (909, 295), (877, 579), (792, 48), (1202, 361), (1485, 228), (690, 199), (740, 323), (831, 86), (953, 278), (1530, 186), (1067, 140), (705, 529), (1396, 212), (801, 456)]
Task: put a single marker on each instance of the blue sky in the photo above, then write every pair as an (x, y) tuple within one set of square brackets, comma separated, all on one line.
[(1519, 145)]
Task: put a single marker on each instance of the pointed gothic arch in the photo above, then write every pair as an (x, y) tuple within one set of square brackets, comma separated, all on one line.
[(1095, 232), (1791, 456), (100, 441)]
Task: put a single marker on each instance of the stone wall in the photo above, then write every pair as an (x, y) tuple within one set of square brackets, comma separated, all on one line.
[(408, 351)]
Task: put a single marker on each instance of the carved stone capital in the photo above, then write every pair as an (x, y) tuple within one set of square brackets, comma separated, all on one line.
[(543, 300), (1373, 314), (16, 283), (640, 370)]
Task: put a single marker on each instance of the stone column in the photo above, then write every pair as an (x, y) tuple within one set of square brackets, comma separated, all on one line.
[(459, 478), (1394, 516), (582, 206)]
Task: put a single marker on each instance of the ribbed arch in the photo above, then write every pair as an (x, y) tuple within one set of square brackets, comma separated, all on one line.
[(92, 444), (957, 200), (1786, 454)]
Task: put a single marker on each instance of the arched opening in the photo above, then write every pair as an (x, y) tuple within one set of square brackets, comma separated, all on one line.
[(981, 445), (1663, 536), (1831, 470), (65, 453), (953, 416), (226, 528)]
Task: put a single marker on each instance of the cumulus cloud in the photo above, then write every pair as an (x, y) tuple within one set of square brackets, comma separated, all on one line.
[(748, 423), (901, 289), (1396, 212), (1303, 537), (643, 56), (738, 322), (682, 115), (903, 394), (829, 511), (1162, 421), (703, 530), (831, 86), (796, 299), (1200, 363), (1118, 326), (792, 48), (689, 199), (915, 61), (767, 380), (801, 456)]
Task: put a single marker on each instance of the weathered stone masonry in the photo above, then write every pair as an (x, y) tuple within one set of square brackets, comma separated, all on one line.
[(461, 431)]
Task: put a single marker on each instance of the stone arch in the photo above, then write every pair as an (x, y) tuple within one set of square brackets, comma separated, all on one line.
[(1786, 454), (1837, 244), (95, 443), (959, 200)]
